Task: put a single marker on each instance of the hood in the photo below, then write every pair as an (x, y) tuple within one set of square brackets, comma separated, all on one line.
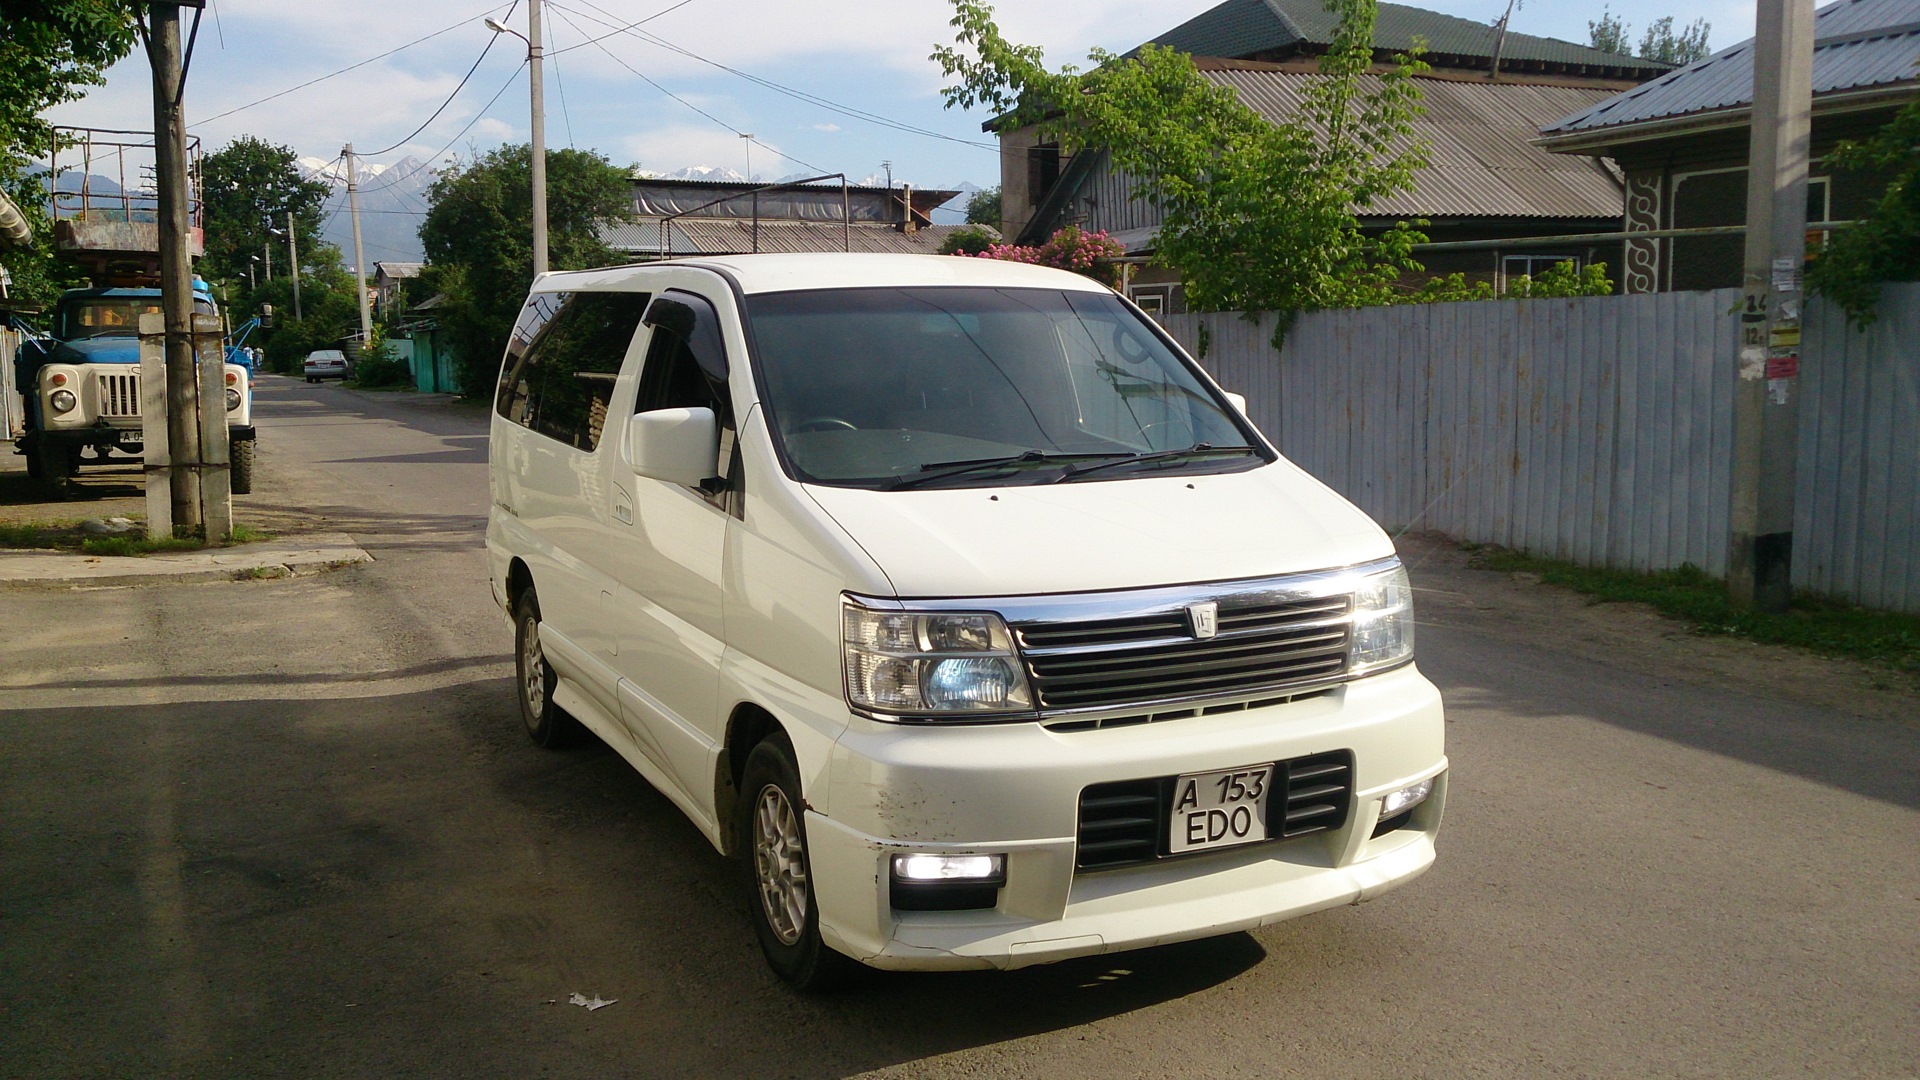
[(1101, 535), (99, 350)]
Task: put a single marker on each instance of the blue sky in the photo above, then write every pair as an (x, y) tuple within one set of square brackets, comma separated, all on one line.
[(868, 58)]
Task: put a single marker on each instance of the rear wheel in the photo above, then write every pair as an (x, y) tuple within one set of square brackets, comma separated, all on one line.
[(548, 725), (241, 473), (772, 832)]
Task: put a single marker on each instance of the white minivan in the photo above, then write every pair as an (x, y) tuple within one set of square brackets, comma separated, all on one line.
[(956, 600)]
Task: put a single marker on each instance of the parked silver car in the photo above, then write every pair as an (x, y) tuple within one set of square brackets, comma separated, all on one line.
[(326, 364)]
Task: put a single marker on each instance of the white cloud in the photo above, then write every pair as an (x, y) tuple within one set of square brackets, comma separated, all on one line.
[(826, 127), (667, 149)]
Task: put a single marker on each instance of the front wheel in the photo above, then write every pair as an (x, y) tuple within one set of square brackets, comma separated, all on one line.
[(240, 457), (548, 724), (772, 833)]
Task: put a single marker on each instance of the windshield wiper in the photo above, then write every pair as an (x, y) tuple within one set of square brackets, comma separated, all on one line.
[(940, 470), (1197, 450)]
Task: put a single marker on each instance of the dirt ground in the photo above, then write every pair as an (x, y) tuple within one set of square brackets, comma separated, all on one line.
[(1637, 639)]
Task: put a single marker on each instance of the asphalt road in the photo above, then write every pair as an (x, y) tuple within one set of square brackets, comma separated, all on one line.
[(292, 828)]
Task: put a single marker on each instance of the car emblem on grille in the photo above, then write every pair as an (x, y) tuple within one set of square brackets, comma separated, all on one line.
[(1203, 620)]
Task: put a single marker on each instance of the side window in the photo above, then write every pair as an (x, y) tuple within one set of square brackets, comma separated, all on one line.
[(686, 368), (562, 361)]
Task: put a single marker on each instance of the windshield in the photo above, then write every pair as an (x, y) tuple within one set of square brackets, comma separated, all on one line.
[(112, 316), (970, 387)]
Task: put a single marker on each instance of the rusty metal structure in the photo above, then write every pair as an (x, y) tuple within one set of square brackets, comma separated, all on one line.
[(106, 220)]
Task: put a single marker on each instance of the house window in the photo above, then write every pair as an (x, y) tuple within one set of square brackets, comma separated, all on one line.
[(1513, 266), (1151, 301), (1043, 170)]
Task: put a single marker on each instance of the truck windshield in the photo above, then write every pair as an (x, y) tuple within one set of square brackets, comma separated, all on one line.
[(112, 316), (971, 387)]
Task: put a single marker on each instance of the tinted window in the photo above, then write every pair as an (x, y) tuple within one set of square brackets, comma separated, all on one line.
[(686, 364), (562, 360)]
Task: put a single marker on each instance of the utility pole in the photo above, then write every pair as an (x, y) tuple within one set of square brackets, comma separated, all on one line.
[(1499, 42), (359, 258), (293, 257), (537, 81), (1765, 409), (266, 257), (176, 268)]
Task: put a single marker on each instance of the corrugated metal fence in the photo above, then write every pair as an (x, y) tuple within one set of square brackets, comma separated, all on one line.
[(1597, 430)]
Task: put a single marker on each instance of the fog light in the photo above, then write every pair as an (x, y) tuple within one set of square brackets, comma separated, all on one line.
[(977, 869), (1399, 802), (62, 400)]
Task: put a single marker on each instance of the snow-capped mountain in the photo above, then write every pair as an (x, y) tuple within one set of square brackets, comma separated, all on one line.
[(392, 200)]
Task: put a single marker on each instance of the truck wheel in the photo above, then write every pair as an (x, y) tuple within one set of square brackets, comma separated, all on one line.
[(240, 480), (36, 465), (772, 833), (547, 724)]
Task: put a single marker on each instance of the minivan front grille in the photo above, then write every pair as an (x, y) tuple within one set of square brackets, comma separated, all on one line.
[(1125, 822), (1260, 645), (119, 394)]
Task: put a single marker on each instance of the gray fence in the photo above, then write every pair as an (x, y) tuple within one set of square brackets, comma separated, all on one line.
[(1598, 430)]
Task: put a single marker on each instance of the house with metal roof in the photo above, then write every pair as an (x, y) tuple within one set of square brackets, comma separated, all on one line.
[(1681, 140), (1485, 178), (675, 217)]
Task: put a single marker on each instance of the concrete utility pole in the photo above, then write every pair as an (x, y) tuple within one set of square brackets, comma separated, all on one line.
[(176, 268), (266, 257), (537, 81), (359, 258), (1765, 409), (293, 257)]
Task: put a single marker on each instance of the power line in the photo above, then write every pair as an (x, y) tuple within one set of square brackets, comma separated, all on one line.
[(484, 50), (456, 138), (621, 30), (799, 95), (562, 84), (562, 12), (344, 70)]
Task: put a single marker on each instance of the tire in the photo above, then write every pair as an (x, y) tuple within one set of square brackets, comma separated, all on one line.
[(240, 477), (36, 465), (548, 725), (772, 835), (311, 380)]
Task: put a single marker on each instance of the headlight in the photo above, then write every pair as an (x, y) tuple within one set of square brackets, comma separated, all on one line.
[(62, 400), (233, 399), (1382, 622), (923, 662)]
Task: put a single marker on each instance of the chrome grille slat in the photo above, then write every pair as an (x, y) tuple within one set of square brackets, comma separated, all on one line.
[(1151, 656)]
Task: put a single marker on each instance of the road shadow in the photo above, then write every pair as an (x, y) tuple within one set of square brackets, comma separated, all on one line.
[(1877, 759), (404, 885)]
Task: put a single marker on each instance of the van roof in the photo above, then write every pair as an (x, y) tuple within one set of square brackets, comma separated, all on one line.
[(834, 270)]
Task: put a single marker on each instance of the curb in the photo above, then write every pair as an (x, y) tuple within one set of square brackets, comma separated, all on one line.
[(301, 557)]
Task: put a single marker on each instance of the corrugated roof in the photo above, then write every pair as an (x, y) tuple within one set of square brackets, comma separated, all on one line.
[(1247, 29), (1482, 163), (716, 236), (1858, 44)]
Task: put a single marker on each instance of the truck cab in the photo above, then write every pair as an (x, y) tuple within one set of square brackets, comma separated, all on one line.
[(83, 384)]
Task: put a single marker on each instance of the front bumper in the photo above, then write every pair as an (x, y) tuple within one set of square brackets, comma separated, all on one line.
[(1015, 789)]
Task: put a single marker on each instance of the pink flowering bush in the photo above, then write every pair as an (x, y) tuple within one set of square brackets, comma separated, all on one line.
[(1068, 249)]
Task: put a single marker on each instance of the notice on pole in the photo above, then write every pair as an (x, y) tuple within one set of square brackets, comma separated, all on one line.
[(1786, 274)]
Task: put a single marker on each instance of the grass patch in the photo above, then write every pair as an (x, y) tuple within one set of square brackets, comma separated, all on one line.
[(247, 534), (137, 545), (38, 535), (1819, 624)]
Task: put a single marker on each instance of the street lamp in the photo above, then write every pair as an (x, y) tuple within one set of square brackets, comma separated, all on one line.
[(535, 81), (293, 259), (251, 284)]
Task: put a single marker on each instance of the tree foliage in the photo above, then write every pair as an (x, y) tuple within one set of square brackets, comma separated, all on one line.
[(971, 240), (250, 186), (1661, 42), (983, 207), (1255, 216), (51, 51), (478, 236), (1885, 245)]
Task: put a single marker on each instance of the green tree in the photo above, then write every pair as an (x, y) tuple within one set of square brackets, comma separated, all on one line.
[(478, 235), (1609, 34), (1885, 245), (983, 207), (1216, 169), (51, 51), (1662, 43), (250, 186), (971, 240)]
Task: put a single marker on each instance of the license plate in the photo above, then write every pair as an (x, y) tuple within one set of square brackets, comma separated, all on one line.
[(1219, 809)]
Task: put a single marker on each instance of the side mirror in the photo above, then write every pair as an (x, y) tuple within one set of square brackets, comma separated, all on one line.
[(678, 446), (1238, 401)]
